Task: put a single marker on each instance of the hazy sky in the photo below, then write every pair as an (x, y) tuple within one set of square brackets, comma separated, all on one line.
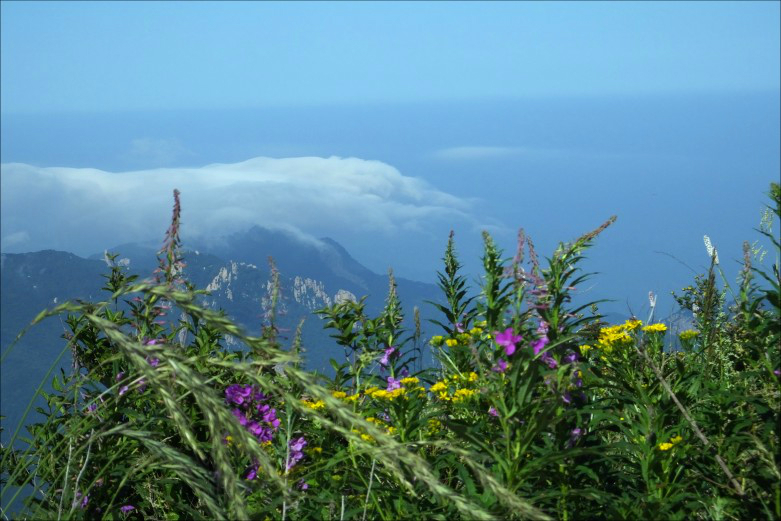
[(384, 125), (103, 56)]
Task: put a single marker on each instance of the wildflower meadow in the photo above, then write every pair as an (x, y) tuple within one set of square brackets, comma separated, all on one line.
[(535, 409)]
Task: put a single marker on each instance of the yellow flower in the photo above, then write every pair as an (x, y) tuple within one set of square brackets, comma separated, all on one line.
[(631, 325), (655, 328), (370, 391), (437, 340), (319, 404), (689, 334), (476, 330), (353, 397), (451, 342), (229, 439), (388, 395), (462, 394), (444, 396), (439, 386), (434, 425), (473, 377), (391, 430), (366, 437), (481, 323), (318, 450), (676, 440), (665, 446), (584, 349), (339, 394), (409, 380)]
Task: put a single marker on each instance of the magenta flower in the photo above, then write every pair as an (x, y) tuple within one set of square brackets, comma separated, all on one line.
[(492, 411), (539, 344), (500, 367), (507, 340)]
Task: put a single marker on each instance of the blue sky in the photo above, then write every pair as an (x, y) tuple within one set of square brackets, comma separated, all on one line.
[(67, 56), (384, 125)]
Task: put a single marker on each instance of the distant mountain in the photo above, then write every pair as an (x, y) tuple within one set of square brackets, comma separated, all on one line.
[(235, 271)]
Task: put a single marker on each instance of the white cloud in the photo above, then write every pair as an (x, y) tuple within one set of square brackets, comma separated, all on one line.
[(478, 152), (87, 209)]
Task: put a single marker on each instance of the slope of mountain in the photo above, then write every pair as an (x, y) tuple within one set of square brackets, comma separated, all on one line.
[(235, 271)]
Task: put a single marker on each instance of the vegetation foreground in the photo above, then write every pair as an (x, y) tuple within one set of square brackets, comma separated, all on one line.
[(536, 410)]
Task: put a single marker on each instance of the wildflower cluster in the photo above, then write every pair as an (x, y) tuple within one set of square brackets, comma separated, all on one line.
[(252, 411)]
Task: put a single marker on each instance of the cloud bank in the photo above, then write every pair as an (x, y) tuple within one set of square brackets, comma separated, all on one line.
[(86, 210)]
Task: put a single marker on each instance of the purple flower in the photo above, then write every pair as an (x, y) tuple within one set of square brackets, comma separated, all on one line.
[(492, 411), (252, 473), (303, 485), (238, 394), (120, 375), (127, 508), (566, 398), (507, 340), (542, 329), (777, 372), (153, 362), (141, 385), (548, 359), (123, 390), (298, 444), (80, 500), (296, 452), (386, 357), (152, 342), (500, 367), (574, 436), (255, 428), (460, 327), (393, 384), (91, 407), (539, 344), (240, 416), (570, 358)]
